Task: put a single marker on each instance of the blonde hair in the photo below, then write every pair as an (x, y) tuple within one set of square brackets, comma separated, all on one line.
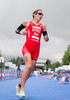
[(36, 11)]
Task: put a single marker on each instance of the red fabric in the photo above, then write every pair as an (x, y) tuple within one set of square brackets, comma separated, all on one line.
[(32, 44)]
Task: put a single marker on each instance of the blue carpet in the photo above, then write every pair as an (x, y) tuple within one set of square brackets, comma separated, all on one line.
[(36, 88)]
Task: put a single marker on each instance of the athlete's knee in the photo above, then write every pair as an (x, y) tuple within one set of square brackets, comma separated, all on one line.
[(29, 67)]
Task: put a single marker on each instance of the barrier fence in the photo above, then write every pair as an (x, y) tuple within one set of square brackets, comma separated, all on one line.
[(7, 74)]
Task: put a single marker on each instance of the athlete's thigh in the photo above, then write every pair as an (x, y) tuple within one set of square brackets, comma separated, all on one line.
[(27, 59)]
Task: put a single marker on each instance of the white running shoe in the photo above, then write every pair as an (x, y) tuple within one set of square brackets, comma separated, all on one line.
[(17, 90), (22, 93)]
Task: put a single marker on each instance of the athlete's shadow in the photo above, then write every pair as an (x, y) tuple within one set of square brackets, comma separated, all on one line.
[(27, 98), (22, 98)]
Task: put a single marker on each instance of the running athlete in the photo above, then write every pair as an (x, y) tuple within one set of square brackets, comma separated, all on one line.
[(33, 31)]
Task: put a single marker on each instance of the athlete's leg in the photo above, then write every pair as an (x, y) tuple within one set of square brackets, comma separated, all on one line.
[(29, 65), (25, 74)]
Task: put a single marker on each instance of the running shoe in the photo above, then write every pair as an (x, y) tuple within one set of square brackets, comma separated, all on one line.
[(22, 93), (17, 90)]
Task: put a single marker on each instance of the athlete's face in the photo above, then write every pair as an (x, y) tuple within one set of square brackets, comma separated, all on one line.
[(38, 15)]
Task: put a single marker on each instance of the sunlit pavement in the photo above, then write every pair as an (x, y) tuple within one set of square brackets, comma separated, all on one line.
[(36, 88)]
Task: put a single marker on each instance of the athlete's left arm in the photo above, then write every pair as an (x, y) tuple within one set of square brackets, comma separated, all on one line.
[(45, 35)]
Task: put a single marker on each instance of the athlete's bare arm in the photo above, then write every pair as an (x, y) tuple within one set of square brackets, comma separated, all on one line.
[(25, 24), (45, 30)]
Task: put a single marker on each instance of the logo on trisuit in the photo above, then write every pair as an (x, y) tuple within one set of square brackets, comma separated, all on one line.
[(35, 57)]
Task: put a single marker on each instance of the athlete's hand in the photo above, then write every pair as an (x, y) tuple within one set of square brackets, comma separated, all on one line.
[(46, 38), (23, 32)]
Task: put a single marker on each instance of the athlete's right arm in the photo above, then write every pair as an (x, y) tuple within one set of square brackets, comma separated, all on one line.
[(22, 26)]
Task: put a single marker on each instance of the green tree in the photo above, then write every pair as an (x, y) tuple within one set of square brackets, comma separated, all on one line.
[(17, 61), (55, 65), (2, 63), (0, 54), (66, 57), (48, 64)]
